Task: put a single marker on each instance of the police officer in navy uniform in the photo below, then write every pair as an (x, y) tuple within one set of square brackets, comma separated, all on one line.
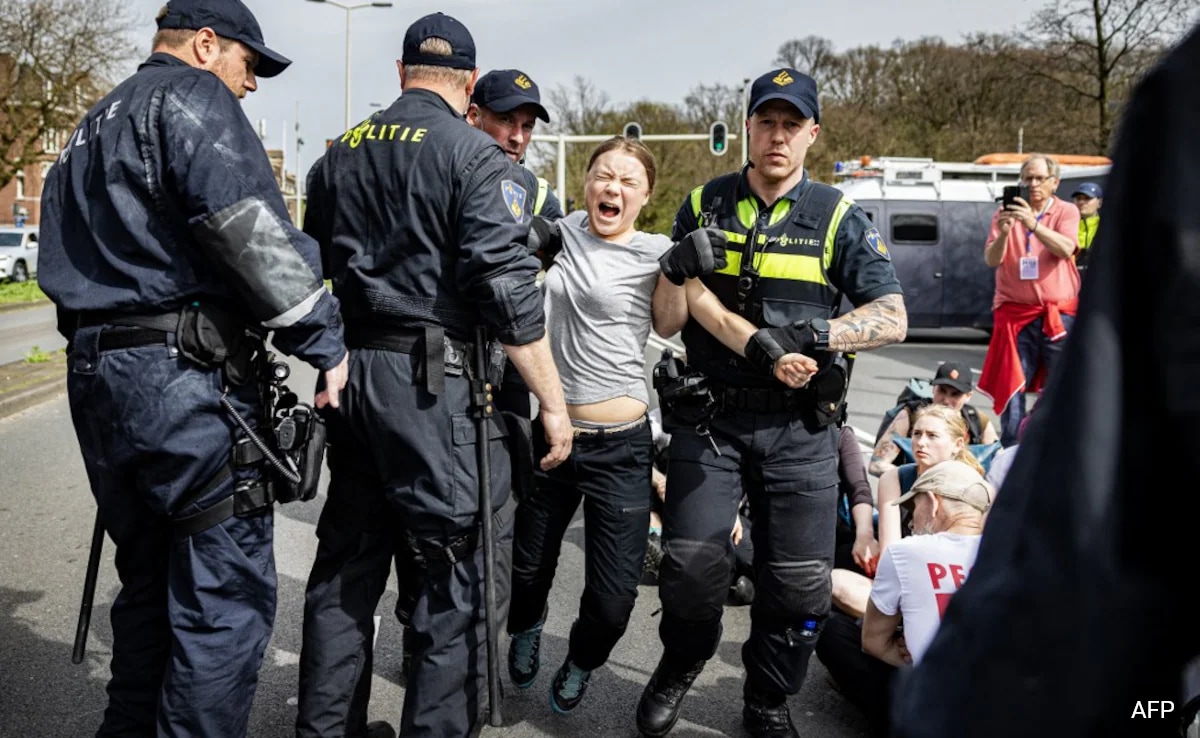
[(423, 224), (506, 105), (781, 250), (162, 216)]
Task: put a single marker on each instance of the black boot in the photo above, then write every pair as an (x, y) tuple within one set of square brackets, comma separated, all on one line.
[(742, 591), (766, 715), (661, 701), (380, 729)]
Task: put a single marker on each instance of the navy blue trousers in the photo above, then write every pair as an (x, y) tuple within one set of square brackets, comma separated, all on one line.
[(401, 461), (193, 617)]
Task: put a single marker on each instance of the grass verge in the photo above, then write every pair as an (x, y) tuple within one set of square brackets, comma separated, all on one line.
[(15, 293)]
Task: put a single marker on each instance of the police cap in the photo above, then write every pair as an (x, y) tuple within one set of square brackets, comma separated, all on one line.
[(451, 30), (229, 19), (502, 90), (786, 84)]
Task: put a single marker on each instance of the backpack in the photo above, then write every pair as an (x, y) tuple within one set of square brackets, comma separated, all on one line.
[(918, 393)]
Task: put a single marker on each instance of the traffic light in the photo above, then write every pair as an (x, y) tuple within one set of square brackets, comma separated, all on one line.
[(718, 136), (633, 130)]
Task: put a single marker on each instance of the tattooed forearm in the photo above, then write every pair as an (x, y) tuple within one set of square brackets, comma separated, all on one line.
[(878, 323)]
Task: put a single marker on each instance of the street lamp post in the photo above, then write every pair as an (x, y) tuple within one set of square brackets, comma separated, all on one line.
[(348, 8)]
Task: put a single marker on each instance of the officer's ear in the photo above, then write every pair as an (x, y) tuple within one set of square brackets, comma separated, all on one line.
[(473, 114), (471, 83), (400, 69), (206, 48)]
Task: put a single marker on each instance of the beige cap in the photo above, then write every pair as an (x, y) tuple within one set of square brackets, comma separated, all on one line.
[(953, 480)]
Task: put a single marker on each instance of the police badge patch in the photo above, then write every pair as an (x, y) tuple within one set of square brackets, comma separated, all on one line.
[(875, 241), (514, 198)]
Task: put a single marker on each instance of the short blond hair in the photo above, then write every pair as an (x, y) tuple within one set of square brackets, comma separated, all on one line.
[(435, 46)]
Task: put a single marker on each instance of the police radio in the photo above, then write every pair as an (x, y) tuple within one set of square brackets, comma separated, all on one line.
[(299, 435)]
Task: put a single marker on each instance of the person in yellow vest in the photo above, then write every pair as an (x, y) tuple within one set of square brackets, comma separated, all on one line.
[(781, 251), (1088, 197)]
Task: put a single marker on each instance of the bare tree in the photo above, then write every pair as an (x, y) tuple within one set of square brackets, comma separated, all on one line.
[(1097, 48), (57, 57), (707, 103), (812, 55)]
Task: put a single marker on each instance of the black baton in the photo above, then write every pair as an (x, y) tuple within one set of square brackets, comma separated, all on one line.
[(482, 392), (89, 592)]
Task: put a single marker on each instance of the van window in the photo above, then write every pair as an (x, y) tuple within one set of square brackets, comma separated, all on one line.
[(914, 228)]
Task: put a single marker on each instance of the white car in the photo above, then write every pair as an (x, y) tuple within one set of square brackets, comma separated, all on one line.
[(18, 252)]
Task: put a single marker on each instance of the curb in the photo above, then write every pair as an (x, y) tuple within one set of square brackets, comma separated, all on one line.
[(37, 394)]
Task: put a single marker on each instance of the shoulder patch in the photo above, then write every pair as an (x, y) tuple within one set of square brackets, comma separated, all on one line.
[(514, 197), (875, 241)]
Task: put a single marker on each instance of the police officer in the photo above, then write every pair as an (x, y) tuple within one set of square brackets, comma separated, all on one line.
[(506, 105), (423, 223), (795, 248), (168, 251)]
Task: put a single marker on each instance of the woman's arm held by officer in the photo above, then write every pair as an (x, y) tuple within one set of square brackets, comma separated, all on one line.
[(880, 322), (536, 365), (668, 307), (734, 331)]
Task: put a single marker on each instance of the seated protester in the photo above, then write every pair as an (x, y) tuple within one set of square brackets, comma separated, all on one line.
[(939, 434), (952, 387), (913, 584)]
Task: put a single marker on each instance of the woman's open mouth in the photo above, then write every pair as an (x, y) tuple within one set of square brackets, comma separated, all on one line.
[(608, 210)]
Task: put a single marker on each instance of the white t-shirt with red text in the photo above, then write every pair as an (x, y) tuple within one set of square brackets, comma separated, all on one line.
[(916, 576)]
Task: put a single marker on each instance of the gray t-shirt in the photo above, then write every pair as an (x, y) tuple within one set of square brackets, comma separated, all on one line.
[(598, 311)]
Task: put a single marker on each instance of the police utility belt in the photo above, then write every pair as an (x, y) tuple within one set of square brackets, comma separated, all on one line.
[(441, 354), (213, 338), (693, 398)]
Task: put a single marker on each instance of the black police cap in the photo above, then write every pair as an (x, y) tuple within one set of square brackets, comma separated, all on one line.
[(503, 90), (229, 19), (789, 85), (439, 25)]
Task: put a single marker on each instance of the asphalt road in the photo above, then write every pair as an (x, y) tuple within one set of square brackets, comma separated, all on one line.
[(46, 517)]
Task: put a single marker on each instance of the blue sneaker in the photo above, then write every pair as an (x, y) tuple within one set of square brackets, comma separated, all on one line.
[(568, 687), (524, 655)]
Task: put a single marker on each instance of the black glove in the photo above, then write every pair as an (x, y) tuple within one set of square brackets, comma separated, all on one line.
[(700, 252), (545, 239), (767, 345)]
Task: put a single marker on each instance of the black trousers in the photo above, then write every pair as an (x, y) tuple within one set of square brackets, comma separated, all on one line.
[(863, 679), (402, 462), (787, 465), (610, 473)]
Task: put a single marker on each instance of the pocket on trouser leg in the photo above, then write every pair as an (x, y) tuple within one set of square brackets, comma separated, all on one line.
[(465, 484)]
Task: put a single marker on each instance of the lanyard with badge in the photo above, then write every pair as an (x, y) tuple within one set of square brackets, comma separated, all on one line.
[(1029, 262)]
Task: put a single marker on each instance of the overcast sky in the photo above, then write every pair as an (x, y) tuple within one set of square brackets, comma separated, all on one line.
[(629, 49)]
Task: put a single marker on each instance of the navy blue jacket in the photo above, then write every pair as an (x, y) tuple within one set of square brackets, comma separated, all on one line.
[(164, 196), (423, 221)]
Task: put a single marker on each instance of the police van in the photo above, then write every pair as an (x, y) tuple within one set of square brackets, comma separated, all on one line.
[(934, 217)]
